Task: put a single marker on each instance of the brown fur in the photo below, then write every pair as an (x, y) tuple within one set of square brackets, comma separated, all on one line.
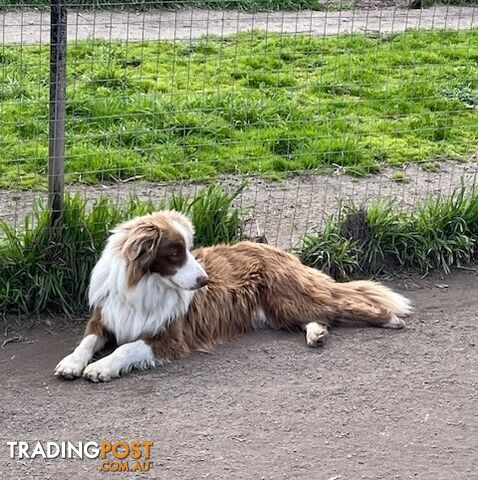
[(151, 246), (248, 277), (94, 326)]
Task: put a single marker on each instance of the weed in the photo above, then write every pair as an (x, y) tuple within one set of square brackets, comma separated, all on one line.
[(400, 177), (431, 166)]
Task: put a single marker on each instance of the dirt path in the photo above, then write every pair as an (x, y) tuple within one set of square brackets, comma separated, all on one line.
[(282, 211), (32, 26), (371, 404)]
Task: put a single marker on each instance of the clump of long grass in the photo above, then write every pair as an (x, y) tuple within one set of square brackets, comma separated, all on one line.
[(214, 219), (440, 234), (44, 270)]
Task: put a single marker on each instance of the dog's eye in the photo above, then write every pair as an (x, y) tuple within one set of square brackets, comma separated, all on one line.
[(175, 253)]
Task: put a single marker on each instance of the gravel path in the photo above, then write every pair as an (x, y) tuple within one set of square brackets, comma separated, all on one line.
[(371, 404), (32, 26)]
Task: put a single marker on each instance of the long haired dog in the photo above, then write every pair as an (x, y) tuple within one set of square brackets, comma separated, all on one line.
[(159, 301)]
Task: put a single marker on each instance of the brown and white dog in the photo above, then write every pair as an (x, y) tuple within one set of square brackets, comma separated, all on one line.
[(159, 301)]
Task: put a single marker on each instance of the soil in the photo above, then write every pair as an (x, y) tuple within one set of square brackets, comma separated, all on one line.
[(33, 26), (282, 211), (370, 404)]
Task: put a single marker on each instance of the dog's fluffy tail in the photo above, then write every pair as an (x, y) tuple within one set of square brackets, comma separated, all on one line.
[(372, 303), (382, 295)]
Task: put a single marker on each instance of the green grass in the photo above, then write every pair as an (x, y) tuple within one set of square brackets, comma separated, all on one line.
[(400, 177), (252, 103), (439, 234), (44, 271)]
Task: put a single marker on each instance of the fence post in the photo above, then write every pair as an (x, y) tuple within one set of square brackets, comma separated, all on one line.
[(56, 160)]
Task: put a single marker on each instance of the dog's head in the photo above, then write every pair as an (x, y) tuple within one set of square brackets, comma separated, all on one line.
[(160, 244)]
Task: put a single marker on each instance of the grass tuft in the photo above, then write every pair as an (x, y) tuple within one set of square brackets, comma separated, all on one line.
[(440, 234), (400, 177), (46, 272)]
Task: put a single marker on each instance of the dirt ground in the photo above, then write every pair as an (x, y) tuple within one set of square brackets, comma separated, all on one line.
[(32, 26), (370, 404)]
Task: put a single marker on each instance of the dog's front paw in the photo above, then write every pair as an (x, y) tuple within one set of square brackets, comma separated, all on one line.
[(103, 370), (71, 366)]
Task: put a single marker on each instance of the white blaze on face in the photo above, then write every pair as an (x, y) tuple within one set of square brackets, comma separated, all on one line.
[(191, 275), (186, 232)]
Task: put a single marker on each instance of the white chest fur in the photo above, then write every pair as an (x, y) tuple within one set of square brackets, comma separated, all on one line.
[(137, 312)]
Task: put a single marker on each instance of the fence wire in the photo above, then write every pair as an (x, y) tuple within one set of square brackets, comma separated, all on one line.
[(315, 108)]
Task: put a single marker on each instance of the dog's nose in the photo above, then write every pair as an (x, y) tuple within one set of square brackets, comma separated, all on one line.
[(202, 281)]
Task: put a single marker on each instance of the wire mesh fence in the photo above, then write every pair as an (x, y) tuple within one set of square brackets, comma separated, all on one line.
[(315, 104)]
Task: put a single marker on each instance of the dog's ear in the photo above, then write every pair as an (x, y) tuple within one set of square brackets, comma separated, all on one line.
[(141, 244), (140, 250)]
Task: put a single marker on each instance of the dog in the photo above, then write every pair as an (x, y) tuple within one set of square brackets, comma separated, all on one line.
[(159, 300)]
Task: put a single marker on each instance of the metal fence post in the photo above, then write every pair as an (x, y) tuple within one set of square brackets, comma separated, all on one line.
[(56, 162)]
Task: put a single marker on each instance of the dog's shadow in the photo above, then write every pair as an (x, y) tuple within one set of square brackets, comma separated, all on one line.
[(277, 333), (109, 347)]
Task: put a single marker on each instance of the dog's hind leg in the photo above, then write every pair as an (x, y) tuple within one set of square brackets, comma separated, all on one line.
[(394, 323), (315, 333)]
